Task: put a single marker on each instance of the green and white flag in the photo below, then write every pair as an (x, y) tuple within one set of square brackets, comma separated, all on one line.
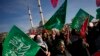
[(78, 20), (58, 19), (17, 43)]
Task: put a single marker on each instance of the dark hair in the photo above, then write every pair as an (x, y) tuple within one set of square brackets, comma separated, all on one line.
[(73, 32), (35, 38)]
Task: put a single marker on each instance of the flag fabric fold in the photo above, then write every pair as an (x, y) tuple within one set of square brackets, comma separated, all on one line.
[(58, 19), (83, 28), (17, 43), (98, 13), (79, 19), (54, 3)]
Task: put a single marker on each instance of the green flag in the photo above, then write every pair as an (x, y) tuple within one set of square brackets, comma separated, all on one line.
[(79, 19), (98, 14), (58, 19), (18, 43)]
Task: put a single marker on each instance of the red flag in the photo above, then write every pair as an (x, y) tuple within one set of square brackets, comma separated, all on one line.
[(84, 27), (97, 53), (54, 3), (98, 3)]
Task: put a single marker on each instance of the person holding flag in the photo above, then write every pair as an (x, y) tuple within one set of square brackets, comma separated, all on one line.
[(44, 48)]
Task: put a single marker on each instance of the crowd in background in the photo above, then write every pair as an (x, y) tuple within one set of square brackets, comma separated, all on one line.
[(68, 42)]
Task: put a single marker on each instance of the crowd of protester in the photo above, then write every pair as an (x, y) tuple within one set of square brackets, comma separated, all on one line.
[(68, 42)]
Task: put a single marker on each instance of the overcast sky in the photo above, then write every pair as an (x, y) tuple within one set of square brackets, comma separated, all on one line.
[(15, 12)]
